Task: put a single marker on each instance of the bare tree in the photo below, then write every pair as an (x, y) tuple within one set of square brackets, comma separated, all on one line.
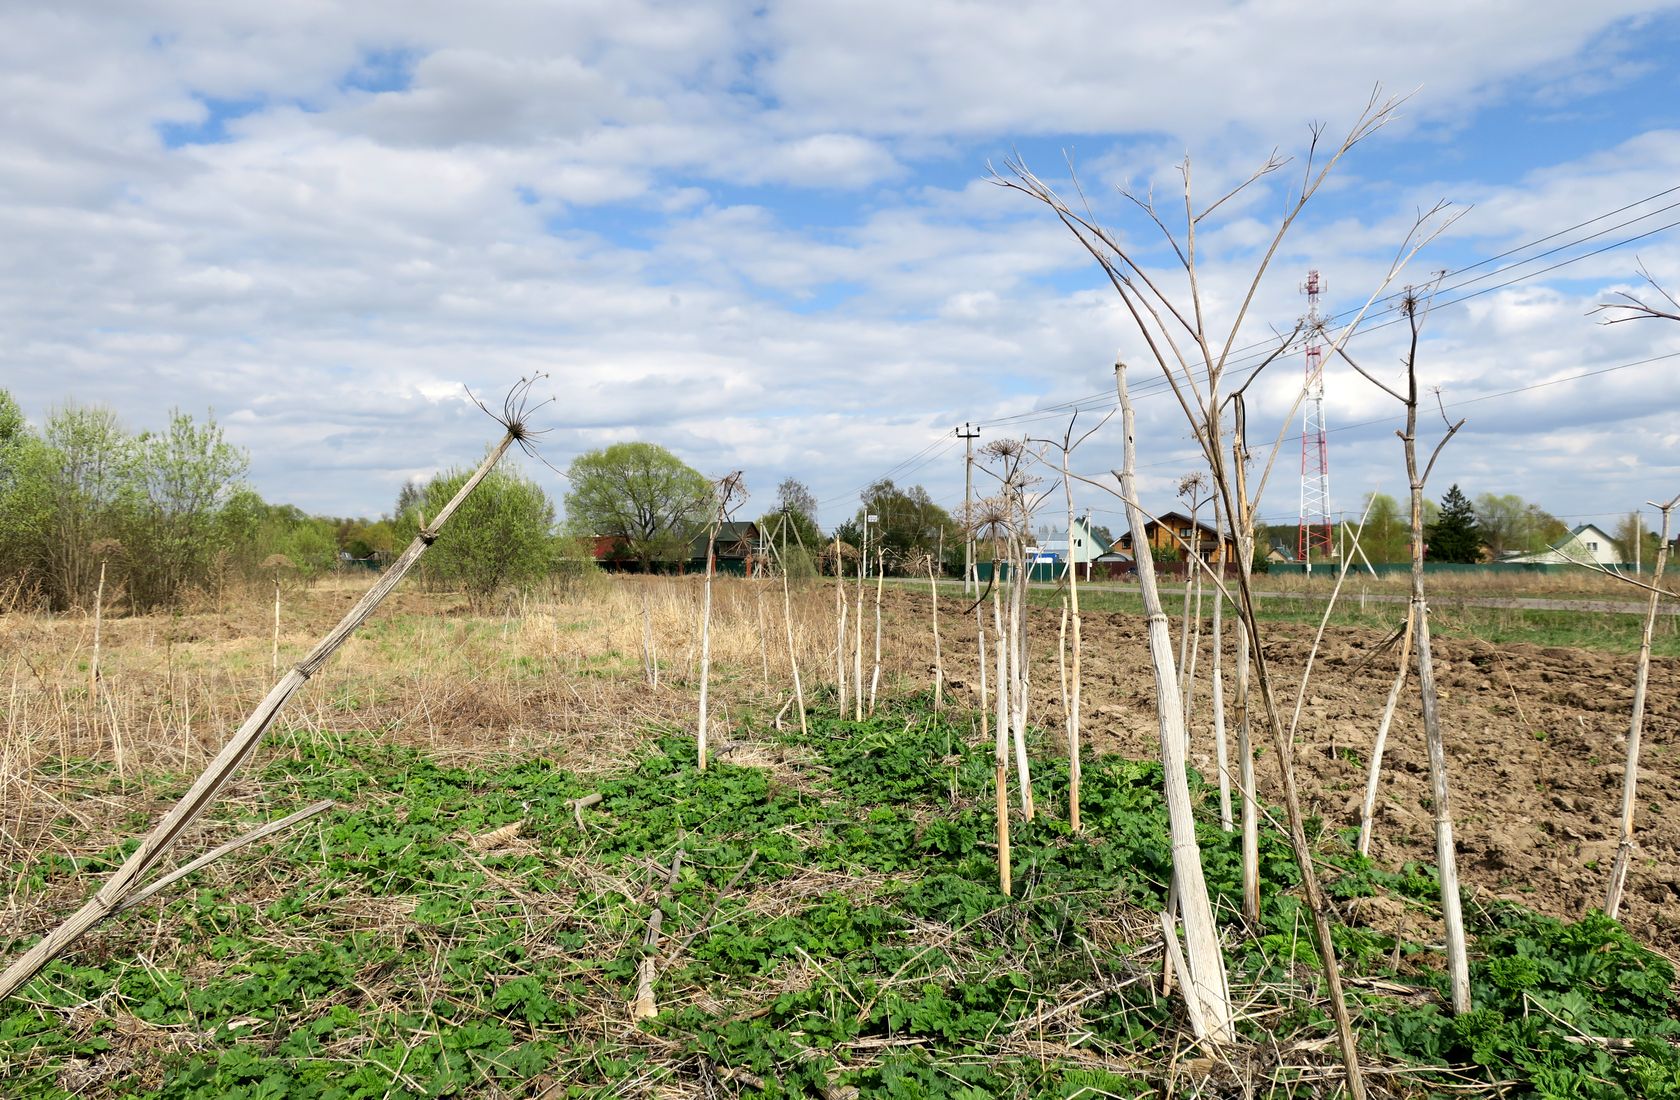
[(1071, 691), (728, 493), (1193, 359), (1192, 488), (1633, 308), (1413, 307), (1630, 774)]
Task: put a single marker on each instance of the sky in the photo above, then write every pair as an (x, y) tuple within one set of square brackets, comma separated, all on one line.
[(767, 236)]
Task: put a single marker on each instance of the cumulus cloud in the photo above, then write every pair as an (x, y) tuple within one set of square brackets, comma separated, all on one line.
[(759, 235)]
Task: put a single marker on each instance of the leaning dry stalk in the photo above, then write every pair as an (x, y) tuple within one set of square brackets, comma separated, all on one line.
[(1221, 749), (1373, 775), (1000, 759), (1206, 962), (259, 833), (204, 790), (1630, 774)]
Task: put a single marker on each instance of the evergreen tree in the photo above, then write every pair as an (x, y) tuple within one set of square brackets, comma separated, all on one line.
[(1455, 535)]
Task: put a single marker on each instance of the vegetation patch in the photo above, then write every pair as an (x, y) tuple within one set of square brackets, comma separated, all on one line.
[(835, 923)]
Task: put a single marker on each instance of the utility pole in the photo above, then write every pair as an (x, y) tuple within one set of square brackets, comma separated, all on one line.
[(967, 433)]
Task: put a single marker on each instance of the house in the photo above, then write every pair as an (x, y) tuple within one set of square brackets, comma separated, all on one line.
[(1280, 552), (1086, 548), (1174, 532), (739, 549), (1585, 545)]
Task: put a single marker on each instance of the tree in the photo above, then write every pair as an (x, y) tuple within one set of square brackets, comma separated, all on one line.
[(501, 537), (1635, 539), (1511, 525), (795, 497), (1454, 536), (1387, 536), (23, 510), (176, 532), (640, 493), (909, 523)]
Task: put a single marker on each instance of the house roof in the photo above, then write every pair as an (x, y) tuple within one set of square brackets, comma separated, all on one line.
[(734, 539)]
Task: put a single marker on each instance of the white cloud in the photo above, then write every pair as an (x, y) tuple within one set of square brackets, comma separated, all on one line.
[(754, 236)]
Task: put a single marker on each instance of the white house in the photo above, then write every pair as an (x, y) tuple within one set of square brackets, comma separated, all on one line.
[(1087, 547), (1586, 545)]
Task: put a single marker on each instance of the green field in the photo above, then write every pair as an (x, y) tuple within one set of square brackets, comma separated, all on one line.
[(835, 923)]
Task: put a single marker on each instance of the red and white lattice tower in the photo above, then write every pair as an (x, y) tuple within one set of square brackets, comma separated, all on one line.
[(1314, 539)]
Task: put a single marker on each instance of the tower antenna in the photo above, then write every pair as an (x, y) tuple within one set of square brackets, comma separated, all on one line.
[(1314, 534)]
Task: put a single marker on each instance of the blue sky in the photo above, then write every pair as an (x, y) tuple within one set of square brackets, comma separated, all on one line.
[(762, 235)]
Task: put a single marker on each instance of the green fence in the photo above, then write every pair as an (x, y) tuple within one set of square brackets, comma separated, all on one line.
[(1329, 569), (1041, 571)]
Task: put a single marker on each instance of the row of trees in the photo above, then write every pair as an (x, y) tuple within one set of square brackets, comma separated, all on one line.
[(1457, 529), (158, 515), (163, 511)]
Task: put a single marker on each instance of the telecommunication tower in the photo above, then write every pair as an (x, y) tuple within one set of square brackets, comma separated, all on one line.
[(1315, 536)]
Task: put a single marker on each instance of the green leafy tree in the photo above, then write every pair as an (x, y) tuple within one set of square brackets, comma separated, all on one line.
[(176, 527), (500, 538), (306, 542), (792, 523), (1454, 536), (23, 508), (84, 479), (1388, 534), (1511, 525), (640, 493), (909, 524)]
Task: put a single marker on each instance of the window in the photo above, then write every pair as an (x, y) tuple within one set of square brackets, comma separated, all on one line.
[(1593, 546)]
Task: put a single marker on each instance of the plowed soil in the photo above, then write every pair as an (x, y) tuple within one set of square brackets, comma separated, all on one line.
[(1535, 740)]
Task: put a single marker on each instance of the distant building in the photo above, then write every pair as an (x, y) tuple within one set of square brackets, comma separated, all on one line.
[(1213, 546), (738, 550), (1086, 548), (1585, 545)]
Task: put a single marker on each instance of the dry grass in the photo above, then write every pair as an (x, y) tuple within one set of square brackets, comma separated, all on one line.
[(558, 674)]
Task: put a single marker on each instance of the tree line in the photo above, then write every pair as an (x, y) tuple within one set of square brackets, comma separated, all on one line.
[(170, 512)]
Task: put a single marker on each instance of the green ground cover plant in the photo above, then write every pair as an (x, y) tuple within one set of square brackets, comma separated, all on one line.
[(835, 924)]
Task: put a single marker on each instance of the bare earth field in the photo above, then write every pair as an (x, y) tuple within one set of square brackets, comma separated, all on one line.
[(1536, 738)]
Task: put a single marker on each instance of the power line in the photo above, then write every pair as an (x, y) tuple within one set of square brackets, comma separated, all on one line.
[(1103, 399)]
